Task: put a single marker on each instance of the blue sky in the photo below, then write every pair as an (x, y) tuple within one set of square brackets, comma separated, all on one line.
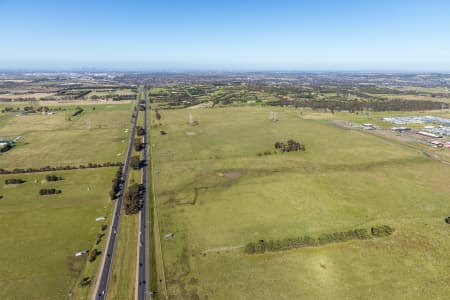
[(226, 35)]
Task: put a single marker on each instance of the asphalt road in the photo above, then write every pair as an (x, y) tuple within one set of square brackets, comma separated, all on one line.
[(105, 270), (143, 261)]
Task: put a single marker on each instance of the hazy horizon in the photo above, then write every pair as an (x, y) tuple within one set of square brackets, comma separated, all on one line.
[(267, 35)]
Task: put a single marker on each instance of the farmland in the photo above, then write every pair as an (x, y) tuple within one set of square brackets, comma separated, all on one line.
[(45, 223), (97, 135), (41, 234), (215, 192), (236, 162)]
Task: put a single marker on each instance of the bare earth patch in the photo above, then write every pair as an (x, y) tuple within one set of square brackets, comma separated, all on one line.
[(318, 116), (232, 175), (190, 133)]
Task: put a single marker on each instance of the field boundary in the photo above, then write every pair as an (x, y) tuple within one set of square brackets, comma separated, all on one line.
[(157, 232)]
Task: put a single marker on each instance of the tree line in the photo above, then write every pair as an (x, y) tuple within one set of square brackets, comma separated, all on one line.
[(116, 184), (60, 168), (356, 105), (307, 241)]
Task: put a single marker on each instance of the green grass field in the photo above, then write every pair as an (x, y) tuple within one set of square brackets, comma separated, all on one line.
[(216, 194), (40, 234), (95, 136)]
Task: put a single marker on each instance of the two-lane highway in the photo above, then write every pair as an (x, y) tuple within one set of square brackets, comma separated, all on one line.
[(107, 258), (143, 261)]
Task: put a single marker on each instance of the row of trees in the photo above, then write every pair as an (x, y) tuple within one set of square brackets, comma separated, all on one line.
[(132, 200), (307, 241), (114, 98), (116, 184), (50, 191), (381, 230), (60, 168), (31, 109), (356, 105), (53, 178), (14, 181), (93, 254), (290, 146)]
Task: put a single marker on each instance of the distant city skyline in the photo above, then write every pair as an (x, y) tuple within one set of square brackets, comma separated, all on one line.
[(265, 35)]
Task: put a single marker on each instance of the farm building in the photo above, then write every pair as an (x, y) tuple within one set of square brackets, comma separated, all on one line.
[(437, 144), (427, 134), (400, 129), (368, 126)]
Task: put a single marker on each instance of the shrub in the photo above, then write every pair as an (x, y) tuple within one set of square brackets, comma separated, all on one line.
[(86, 281), (53, 178), (381, 230), (250, 248), (135, 162), (43, 192), (447, 220), (78, 111), (138, 145), (290, 146), (14, 181), (140, 131), (93, 255), (104, 226)]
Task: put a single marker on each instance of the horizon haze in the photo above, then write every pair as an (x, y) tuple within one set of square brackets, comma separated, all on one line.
[(401, 36)]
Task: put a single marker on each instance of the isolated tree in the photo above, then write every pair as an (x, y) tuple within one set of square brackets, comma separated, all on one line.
[(135, 162), (140, 131), (132, 199)]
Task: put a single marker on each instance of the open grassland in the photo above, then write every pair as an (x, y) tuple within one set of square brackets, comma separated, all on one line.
[(97, 135), (215, 194), (40, 234)]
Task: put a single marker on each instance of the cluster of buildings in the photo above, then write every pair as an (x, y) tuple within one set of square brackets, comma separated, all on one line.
[(418, 120), (440, 128)]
